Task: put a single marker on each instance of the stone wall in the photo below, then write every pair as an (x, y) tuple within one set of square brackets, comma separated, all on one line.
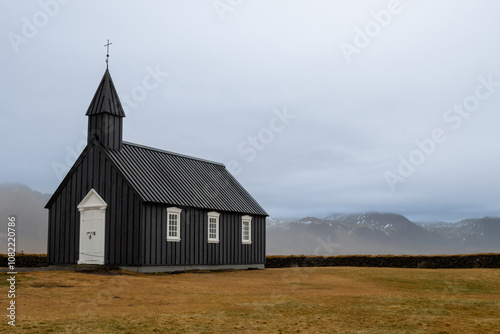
[(403, 261)]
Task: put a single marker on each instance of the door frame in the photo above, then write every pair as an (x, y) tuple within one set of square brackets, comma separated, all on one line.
[(92, 201)]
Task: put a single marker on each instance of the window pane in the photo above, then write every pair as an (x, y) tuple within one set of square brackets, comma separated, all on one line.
[(212, 228), (172, 225), (246, 230)]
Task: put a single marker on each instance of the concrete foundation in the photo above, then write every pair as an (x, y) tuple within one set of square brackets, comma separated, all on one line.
[(165, 269)]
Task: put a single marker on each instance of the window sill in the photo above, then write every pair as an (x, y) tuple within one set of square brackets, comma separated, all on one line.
[(174, 240), (213, 241)]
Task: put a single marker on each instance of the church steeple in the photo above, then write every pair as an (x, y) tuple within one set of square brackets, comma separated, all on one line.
[(106, 115)]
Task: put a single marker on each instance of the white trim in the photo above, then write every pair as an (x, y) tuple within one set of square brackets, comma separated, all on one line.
[(177, 212), (214, 215), (87, 202), (246, 219), (94, 203)]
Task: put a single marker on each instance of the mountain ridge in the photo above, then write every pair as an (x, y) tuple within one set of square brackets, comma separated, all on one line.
[(369, 233), (380, 233)]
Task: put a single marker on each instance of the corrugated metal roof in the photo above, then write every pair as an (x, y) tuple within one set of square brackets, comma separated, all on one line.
[(170, 178), (106, 99)]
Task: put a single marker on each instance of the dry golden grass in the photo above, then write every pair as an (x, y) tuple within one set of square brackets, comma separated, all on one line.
[(294, 300)]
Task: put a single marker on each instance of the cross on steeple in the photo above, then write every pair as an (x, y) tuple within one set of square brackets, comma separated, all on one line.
[(107, 52)]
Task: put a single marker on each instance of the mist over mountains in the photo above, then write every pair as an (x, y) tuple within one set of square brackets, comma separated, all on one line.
[(339, 234), (380, 233), (27, 206)]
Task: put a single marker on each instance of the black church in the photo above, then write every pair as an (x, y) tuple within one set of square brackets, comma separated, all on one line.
[(135, 206)]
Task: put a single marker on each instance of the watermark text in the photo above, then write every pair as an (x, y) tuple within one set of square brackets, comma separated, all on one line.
[(11, 253)]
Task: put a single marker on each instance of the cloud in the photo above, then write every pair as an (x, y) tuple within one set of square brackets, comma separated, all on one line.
[(353, 120)]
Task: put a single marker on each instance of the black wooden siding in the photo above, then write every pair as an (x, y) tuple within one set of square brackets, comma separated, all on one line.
[(136, 232), (122, 214), (194, 249), (107, 128)]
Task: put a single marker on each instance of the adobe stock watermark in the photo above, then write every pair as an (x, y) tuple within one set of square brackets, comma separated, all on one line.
[(249, 148), (222, 7), (11, 281), (365, 35), (453, 119), (31, 26), (294, 278), (150, 82), (326, 245), (117, 285)]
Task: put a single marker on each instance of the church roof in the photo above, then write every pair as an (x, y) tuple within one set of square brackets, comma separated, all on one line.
[(164, 177), (174, 179), (106, 99)]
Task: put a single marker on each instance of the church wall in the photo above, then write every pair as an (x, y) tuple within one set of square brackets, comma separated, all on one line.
[(122, 214), (194, 249)]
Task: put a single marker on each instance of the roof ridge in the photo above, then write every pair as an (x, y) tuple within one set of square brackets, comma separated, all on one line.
[(172, 153)]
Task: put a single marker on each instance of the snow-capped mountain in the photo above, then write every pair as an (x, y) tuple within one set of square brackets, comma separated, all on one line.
[(470, 233), (380, 233)]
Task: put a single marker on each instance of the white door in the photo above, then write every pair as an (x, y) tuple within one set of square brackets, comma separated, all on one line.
[(91, 237), (92, 228)]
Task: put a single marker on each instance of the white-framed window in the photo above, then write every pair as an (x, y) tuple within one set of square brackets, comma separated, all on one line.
[(213, 227), (173, 224), (246, 229)]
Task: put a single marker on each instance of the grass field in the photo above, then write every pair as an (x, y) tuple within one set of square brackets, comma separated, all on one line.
[(294, 300)]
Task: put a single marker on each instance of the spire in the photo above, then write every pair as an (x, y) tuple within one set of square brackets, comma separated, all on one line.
[(106, 99), (106, 115)]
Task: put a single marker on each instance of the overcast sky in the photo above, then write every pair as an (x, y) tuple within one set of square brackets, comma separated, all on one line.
[(315, 106)]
